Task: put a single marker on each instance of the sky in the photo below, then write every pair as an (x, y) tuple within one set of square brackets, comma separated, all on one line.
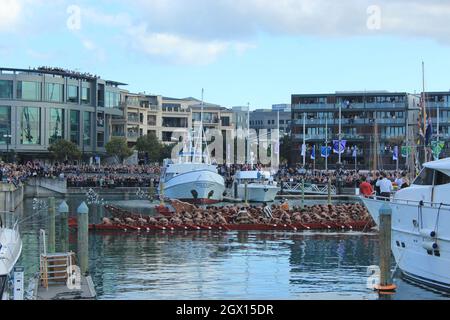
[(240, 51)]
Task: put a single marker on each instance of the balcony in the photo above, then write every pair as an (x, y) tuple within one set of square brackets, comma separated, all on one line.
[(133, 119), (440, 105), (314, 106)]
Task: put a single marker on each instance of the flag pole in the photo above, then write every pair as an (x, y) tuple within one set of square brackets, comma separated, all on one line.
[(424, 114), (304, 141), (326, 143), (340, 132)]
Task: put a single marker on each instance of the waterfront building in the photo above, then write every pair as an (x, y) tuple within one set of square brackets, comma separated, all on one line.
[(372, 122), (141, 116), (240, 117), (40, 106), (267, 119)]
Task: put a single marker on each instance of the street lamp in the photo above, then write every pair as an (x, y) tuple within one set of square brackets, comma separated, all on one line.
[(8, 141)]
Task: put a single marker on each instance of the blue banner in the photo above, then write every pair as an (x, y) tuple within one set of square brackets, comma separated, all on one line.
[(325, 152), (336, 148)]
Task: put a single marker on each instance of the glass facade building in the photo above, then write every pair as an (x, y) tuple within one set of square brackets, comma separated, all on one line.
[(39, 107), (5, 124), (30, 123), (56, 125), (6, 89)]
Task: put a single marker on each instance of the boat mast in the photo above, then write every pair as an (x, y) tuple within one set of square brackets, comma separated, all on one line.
[(248, 133), (424, 113), (278, 143)]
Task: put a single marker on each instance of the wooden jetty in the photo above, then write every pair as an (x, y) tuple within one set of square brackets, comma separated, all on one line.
[(59, 279)]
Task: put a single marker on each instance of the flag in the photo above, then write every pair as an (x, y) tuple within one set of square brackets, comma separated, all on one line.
[(313, 153), (437, 147), (325, 152), (336, 148), (303, 150), (406, 151), (395, 155), (429, 132)]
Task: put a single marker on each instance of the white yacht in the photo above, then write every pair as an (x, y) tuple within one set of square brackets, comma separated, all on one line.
[(197, 183), (421, 226), (10, 251), (260, 186)]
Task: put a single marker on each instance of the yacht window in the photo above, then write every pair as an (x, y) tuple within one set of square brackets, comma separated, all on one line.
[(441, 179), (425, 178), (169, 176)]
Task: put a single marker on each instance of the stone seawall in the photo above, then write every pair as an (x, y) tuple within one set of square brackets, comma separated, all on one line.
[(10, 196)]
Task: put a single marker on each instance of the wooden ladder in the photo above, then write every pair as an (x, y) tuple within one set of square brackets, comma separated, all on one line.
[(54, 268)]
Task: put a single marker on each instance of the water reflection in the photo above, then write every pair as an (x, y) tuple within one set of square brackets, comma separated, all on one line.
[(214, 265)]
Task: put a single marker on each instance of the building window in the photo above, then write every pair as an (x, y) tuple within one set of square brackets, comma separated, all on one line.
[(85, 95), (87, 126), (27, 90), (54, 92), (100, 139), (6, 89), (30, 126), (226, 121), (75, 126), (112, 99), (56, 125), (151, 120), (72, 94), (5, 124), (101, 120)]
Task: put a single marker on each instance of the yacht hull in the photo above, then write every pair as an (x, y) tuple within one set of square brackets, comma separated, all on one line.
[(258, 192), (199, 187), (412, 243)]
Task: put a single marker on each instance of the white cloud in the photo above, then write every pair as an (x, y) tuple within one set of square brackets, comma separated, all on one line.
[(9, 14), (231, 19), (177, 49)]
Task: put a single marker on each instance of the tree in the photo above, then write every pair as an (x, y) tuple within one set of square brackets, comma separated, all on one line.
[(150, 145), (118, 147), (63, 150), (286, 149)]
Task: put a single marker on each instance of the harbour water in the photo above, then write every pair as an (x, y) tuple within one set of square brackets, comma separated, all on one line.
[(217, 265)]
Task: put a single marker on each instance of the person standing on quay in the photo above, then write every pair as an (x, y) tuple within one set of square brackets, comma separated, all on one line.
[(385, 186), (365, 188)]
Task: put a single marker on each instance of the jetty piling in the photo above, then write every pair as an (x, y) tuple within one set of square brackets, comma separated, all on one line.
[(386, 286), (83, 237), (329, 191), (303, 193), (52, 225), (63, 211)]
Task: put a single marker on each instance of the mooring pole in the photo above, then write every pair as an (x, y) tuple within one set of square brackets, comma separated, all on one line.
[(329, 191), (303, 193), (83, 237), (386, 286), (63, 211), (246, 192), (161, 192), (52, 225)]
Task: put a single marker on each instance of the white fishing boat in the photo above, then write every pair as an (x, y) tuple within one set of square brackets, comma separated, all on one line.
[(421, 226), (259, 184), (192, 177), (10, 251)]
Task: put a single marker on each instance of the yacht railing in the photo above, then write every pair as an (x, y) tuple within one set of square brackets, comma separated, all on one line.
[(415, 203)]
